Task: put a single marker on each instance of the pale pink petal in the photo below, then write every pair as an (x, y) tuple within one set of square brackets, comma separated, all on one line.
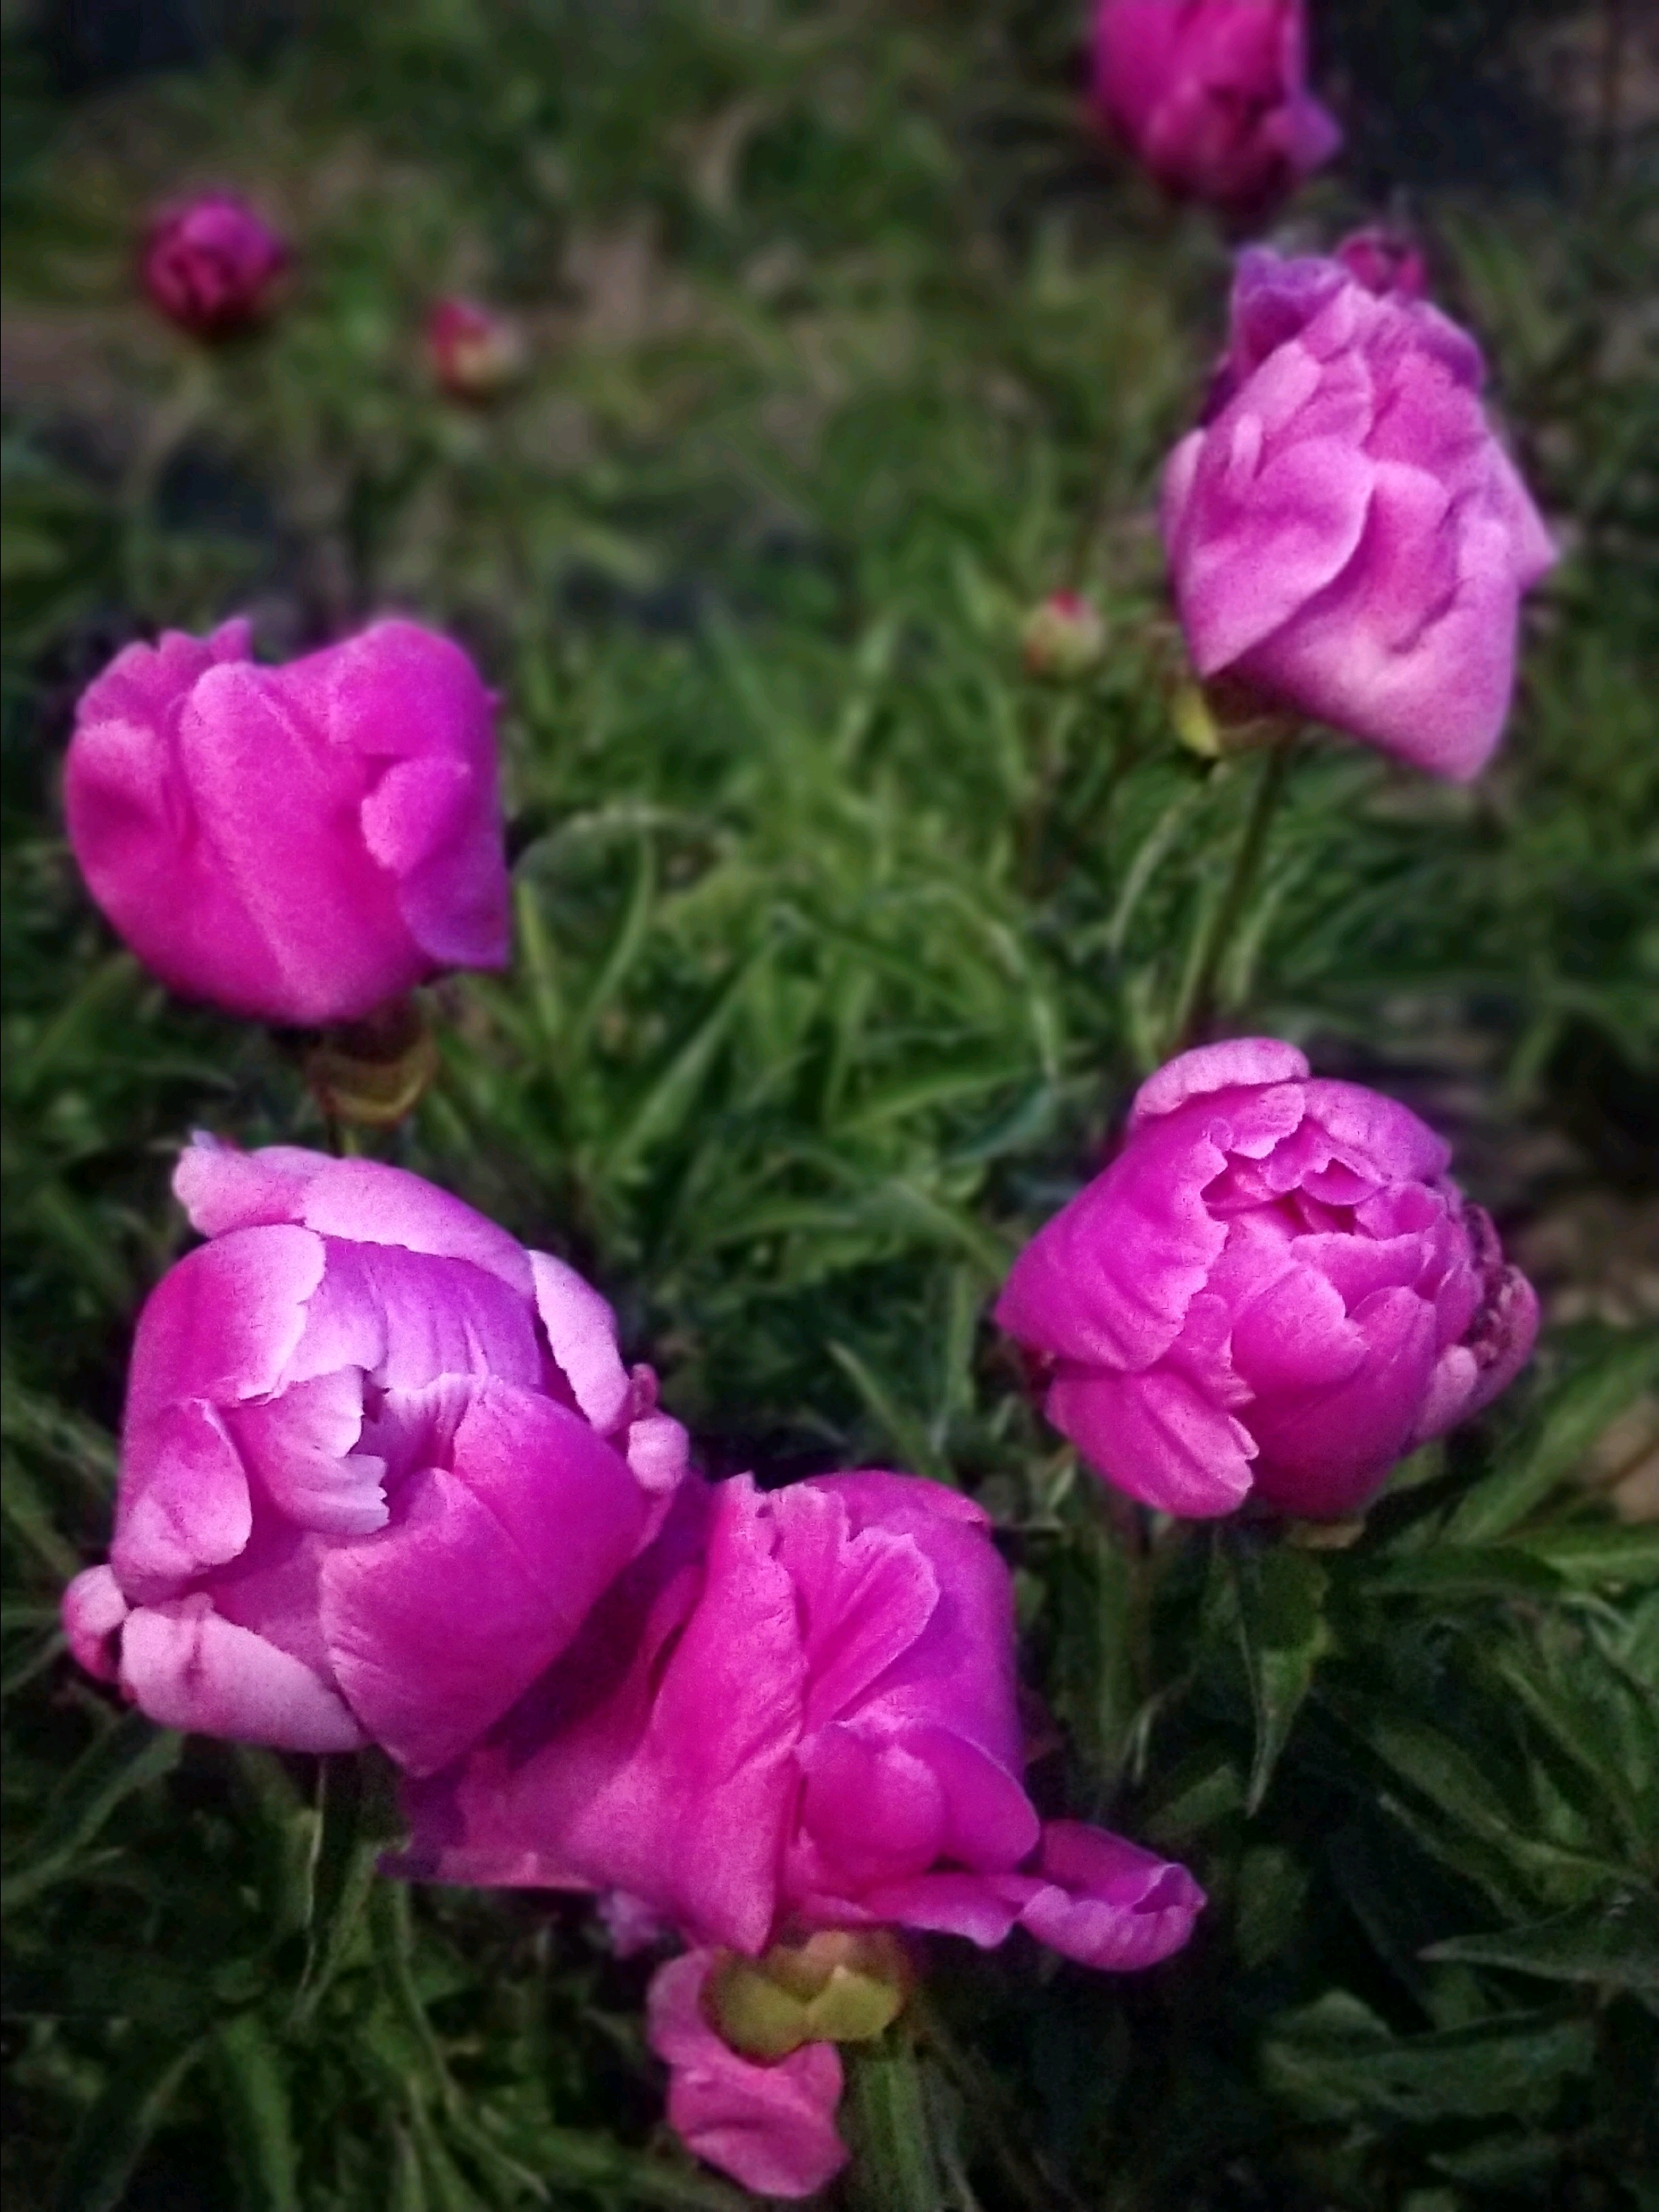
[(93, 1608), (581, 1332), (188, 1668)]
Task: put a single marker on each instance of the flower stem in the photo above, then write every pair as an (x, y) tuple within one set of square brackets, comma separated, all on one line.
[(1198, 1001), (895, 2167)]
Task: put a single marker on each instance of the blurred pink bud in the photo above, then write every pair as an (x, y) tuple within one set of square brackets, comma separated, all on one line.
[(1273, 1291), (212, 265), (1063, 637), (798, 1712), (1345, 535), (771, 2126), (377, 1463), (1212, 95), (475, 352), (1383, 261), (299, 843)]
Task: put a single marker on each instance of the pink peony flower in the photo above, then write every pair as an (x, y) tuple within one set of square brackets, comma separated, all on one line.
[(1345, 535), (212, 265), (298, 843), (771, 2126), (798, 1712), (1383, 261), (475, 352), (377, 1463), (1212, 95), (1274, 1289)]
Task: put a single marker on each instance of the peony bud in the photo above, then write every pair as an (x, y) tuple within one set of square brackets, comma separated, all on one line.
[(1063, 638), (1384, 263), (1346, 538), (301, 844), (1212, 95), (378, 1462), (475, 352), (1274, 1290), (212, 265)]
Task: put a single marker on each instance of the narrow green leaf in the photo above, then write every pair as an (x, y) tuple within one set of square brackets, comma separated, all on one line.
[(1337, 2061), (1454, 1573), (1563, 1431), (903, 1429), (1605, 1555), (253, 2097), (1279, 1595), (130, 1754), (352, 1832), (116, 2130), (1613, 1942)]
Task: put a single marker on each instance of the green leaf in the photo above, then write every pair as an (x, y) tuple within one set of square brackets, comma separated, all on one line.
[(1604, 1556), (116, 2130), (128, 1756), (1614, 1941), (354, 1827), (253, 2097), (1279, 1595), (1575, 1415), (1337, 2061), (1452, 1573)]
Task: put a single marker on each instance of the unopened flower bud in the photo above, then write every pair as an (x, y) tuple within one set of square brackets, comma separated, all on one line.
[(1064, 637), (212, 265), (475, 353)]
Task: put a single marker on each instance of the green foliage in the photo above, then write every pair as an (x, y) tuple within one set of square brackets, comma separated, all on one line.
[(840, 941)]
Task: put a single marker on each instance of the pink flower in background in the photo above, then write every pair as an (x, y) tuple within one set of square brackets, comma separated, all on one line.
[(1273, 1291), (798, 1712), (1385, 261), (1346, 536), (1212, 95), (299, 843), (771, 2126), (212, 265), (475, 351), (377, 1463)]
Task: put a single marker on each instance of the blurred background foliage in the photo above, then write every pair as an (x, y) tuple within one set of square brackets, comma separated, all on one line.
[(841, 941)]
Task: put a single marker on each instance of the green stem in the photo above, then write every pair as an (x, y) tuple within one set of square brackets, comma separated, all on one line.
[(1198, 1005), (895, 2168)]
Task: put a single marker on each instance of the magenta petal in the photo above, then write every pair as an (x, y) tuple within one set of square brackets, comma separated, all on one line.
[(93, 1608), (1211, 1068), (1295, 1334), (222, 1324), (981, 1907), (581, 1332), (1291, 528), (222, 1188), (279, 812), (1322, 1453), (428, 822), (436, 1625), (1107, 1903), (188, 1668), (1157, 1437), (863, 1600), (771, 2128), (302, 1448), (365, 1202), (184, 1503)]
